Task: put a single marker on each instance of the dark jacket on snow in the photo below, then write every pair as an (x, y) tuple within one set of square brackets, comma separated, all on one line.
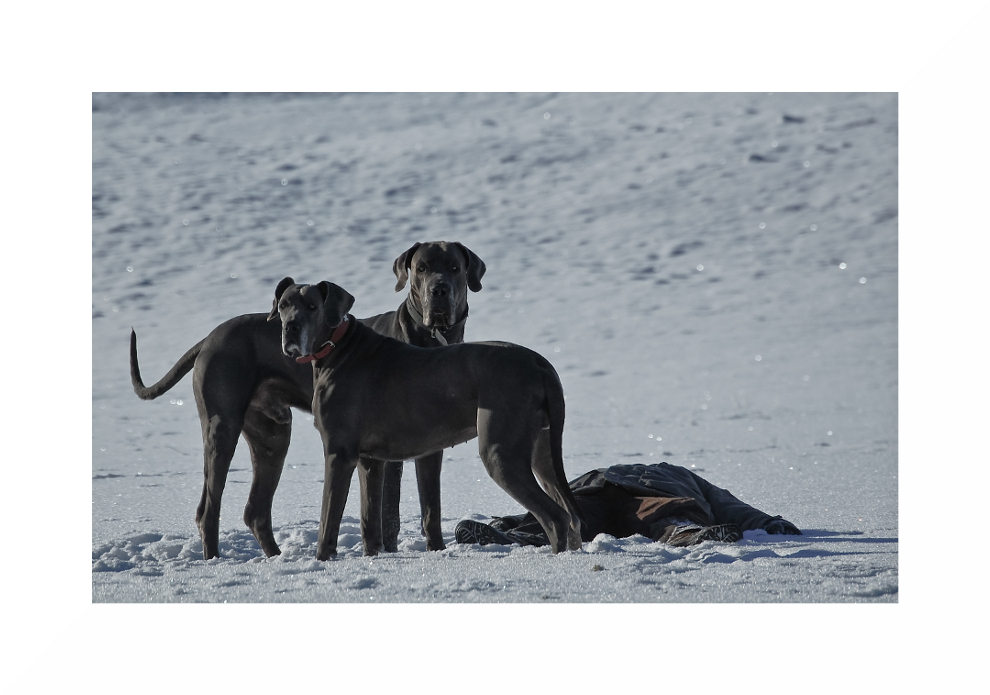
[(629, 499)]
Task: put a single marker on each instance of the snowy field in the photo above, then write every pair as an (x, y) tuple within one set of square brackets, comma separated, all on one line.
[(594, 214), (714, 276)]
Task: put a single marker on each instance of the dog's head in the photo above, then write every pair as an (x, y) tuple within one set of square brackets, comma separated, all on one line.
[(439, 273), (309, 313)]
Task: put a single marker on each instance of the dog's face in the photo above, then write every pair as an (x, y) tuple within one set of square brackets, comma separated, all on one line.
[(309, 313), (440, 273)]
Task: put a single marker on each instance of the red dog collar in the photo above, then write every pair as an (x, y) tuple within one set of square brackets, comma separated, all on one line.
[(328, 346)]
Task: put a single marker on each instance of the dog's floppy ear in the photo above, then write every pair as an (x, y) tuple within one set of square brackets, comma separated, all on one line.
[(401, 266), (475, 267), (336, 302), (283, 285)]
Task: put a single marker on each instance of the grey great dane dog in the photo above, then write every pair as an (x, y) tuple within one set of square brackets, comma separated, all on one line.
[(244, 385), (377, 399)]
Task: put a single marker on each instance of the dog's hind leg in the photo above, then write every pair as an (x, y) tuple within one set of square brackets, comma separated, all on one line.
[(268, 439), (506, 447), (223, 393), (546, 473), (219, 440)]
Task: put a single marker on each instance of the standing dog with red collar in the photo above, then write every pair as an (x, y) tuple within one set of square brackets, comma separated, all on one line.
[(376, 399), (244, 385)]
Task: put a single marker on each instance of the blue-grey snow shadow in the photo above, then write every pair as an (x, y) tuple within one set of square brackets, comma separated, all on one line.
[(838, 537)]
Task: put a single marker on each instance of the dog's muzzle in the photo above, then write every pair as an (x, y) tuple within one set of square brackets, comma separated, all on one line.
[(294, 340), (438, 306)]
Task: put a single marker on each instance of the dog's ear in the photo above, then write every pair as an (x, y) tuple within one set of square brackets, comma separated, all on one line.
[(336, 302), (475, 267), (283, 285), (401, 266)]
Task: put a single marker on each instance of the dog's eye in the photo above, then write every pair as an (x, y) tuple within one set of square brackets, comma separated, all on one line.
[(421, 268), (454, 269), (311, 306)]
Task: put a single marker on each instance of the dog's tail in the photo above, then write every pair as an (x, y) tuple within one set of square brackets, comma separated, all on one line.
[(555, 412), (179, 370)]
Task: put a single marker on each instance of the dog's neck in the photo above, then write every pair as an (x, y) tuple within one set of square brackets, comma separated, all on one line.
[(328, 346), (439, 334)]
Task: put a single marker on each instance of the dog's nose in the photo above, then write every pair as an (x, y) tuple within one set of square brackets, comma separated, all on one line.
[(292, 327), (440, 290)]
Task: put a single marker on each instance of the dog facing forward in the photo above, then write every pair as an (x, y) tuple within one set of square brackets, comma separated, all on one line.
[(245, 386), (377, 399)]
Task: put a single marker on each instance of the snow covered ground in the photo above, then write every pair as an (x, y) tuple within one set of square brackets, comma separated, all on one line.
[(714, 277), (865, 613)]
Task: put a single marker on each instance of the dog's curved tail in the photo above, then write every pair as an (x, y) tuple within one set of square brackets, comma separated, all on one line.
[(555, 411), (179, 370)]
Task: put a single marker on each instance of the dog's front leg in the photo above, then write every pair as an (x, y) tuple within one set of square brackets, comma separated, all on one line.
[(391, 491), (371, 474), (336, 482), (428, 480)]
